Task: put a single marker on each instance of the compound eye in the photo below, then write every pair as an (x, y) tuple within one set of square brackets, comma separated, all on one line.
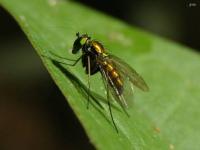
[(83, 40)]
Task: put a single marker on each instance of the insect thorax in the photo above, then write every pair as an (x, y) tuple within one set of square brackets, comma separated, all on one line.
[(96, 47), (95, 51)]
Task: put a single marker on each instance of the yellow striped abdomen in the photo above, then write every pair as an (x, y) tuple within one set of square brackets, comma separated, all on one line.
[(114, 77)]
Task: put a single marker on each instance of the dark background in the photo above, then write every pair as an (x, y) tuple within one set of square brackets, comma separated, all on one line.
[(30, 118)]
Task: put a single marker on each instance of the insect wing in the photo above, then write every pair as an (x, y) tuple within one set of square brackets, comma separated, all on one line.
[(111, 88), (123, 93), (128, 72)]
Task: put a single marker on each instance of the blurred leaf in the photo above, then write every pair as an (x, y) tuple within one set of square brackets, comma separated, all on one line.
[(165, 118)]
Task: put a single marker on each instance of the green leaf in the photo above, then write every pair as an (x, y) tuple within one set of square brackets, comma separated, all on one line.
[(167, 117)]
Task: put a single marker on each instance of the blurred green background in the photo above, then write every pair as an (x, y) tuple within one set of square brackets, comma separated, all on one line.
[(30, 118)]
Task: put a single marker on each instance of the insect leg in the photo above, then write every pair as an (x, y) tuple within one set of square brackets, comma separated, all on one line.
[(61, 62), (76, 61), (60, 57), (88, 100), (121, 98), (109, 105), (108, 96)]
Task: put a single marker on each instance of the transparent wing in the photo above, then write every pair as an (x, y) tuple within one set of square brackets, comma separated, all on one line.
[(127, 72), (113, 89), (124, 95)]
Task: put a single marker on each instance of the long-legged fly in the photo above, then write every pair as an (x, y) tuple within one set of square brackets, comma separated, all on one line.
[(119, 78)]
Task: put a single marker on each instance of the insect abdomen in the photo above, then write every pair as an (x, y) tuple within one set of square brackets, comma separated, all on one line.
[(114, 77)]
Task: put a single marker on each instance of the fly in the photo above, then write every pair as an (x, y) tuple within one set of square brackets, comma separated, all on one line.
[(118, 77)]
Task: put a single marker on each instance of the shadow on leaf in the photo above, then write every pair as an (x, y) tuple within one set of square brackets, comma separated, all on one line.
[(83, 90)]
